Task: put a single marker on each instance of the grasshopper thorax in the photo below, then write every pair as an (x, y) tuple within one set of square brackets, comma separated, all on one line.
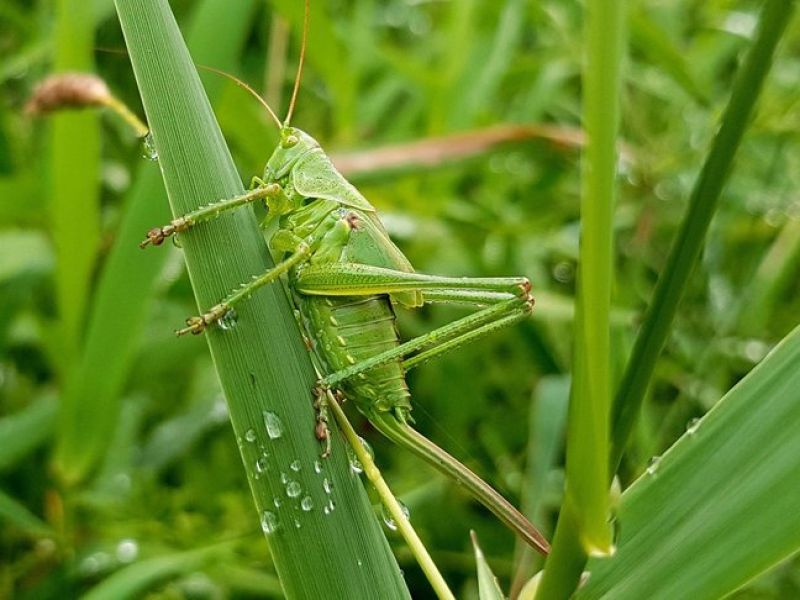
[(294, 144)]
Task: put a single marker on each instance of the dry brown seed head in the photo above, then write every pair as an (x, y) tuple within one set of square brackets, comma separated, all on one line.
[(67, 90)]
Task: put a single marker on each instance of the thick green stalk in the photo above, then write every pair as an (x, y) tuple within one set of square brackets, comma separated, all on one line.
[(402, 522), (691, 236), (324, 538), (583, 523)]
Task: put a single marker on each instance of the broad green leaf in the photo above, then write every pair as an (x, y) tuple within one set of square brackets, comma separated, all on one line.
[(720, 507)]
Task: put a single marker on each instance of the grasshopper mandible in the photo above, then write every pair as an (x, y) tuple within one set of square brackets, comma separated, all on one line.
[(345, 277)]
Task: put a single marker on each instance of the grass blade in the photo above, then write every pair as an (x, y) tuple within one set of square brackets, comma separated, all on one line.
[(720, 506), (488, 587), (775, 15), (261, 361), (75, 167), (548, 418), (134, 580)]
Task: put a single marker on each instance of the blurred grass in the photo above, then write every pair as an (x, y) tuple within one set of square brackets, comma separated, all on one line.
[(690, 238), (510, 210), (74, 192), (90, 407)]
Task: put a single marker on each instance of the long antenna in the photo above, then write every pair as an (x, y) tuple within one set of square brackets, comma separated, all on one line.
[(244, 86), (299, 75)]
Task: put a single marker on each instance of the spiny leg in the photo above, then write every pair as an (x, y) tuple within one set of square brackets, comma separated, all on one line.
[(271, 192), (196, 325), (482, 322), (505, 296), (443, 347)]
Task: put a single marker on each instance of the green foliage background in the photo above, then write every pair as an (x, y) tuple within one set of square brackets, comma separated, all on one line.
[(87, 319)]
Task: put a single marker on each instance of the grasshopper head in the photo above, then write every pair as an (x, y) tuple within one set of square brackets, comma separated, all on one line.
[(294, 144)]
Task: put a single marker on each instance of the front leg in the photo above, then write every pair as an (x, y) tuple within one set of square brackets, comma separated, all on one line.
[(271, 193), (197, 325)]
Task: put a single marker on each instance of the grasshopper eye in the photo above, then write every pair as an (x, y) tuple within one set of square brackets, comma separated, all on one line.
[(291, 140)]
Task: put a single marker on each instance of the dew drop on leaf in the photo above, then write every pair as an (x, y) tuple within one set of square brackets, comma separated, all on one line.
[(273, 424), (269, 521), (149, 147), (293, 489), (229, 320)]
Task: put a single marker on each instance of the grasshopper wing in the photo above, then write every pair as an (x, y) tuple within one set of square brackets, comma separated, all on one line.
[(369, 244)]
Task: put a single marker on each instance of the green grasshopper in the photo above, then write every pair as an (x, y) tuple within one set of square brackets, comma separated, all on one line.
[(345, 276)]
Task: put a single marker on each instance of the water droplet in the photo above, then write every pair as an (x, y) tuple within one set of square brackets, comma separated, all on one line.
[(306, 503), (317, 466), (296, 523), (262, 465), (269, 521), (229, 320), (273, 424), (367, 447), (149, 147), (327, 485), (359, 562), (355, 464), (692, 425), (652, 465), (295, 466), (250, 435), (284, 478), (176, 241), (387, 517), (127, 550), (96, 563), (329, 507), (293, 489), (277, 502)]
